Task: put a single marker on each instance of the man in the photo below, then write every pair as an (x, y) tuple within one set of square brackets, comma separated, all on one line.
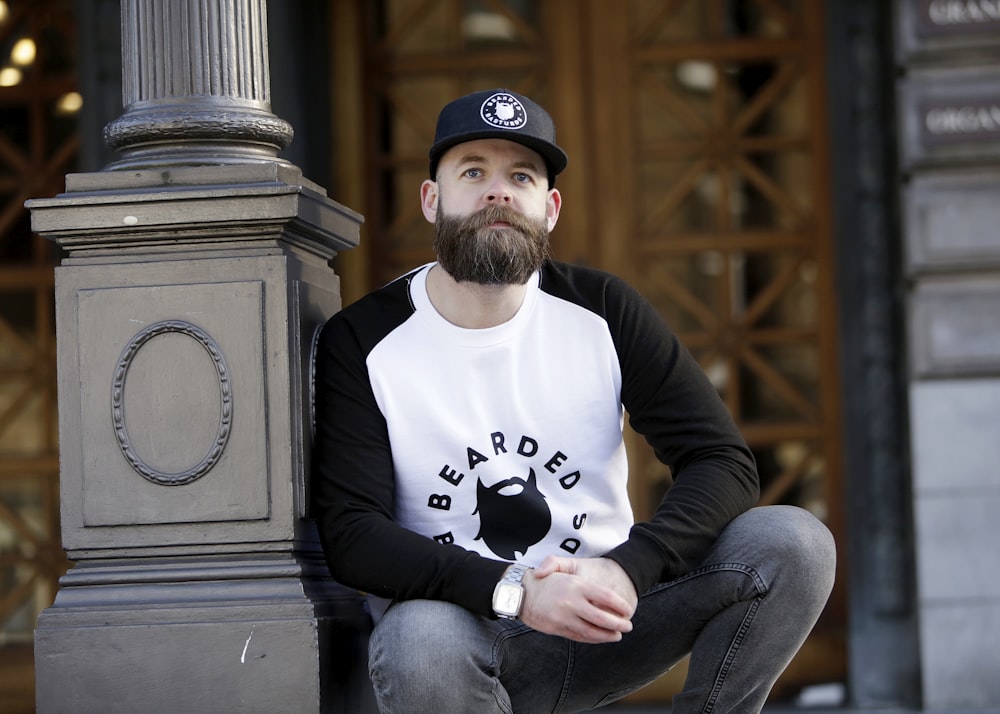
[(470, 472)]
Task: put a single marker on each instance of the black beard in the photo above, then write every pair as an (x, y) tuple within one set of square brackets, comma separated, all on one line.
[(472, 251)]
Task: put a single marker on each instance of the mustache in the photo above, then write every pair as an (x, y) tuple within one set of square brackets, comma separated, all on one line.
[(497, 213)]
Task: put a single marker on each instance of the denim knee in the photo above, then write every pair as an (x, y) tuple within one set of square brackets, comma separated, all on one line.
[(428, 655), (414, 639), (795, 545)]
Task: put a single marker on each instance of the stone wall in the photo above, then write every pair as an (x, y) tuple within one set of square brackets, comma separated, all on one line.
[(949, 140)]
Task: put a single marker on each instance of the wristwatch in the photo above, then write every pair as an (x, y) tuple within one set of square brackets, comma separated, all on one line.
[(508, 595)]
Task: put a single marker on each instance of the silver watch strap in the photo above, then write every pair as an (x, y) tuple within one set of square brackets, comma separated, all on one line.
[(514, 573)]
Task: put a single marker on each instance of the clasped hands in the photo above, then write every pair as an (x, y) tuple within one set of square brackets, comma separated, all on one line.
[(583, 599)]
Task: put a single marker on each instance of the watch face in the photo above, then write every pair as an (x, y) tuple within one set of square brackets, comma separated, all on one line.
[(507, 600)]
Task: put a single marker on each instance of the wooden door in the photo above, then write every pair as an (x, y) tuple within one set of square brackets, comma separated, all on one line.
[(698, 171), (712, 148)]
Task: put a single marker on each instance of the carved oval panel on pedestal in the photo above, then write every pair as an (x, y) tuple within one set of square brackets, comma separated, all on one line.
[(172, 403)]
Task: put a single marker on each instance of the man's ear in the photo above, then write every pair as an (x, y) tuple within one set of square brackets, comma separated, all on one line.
[(429, 200), (553, 203)]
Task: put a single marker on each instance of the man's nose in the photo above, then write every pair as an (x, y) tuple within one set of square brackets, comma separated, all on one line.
[(498, 192)]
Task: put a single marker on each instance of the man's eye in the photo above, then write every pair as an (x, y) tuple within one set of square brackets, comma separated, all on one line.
[(473, 173), (522, 177)]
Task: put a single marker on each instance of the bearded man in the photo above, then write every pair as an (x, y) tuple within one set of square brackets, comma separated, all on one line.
[(477, 403)]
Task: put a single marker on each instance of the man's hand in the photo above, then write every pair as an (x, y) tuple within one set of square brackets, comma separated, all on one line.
[(602, 571), (583, 599)]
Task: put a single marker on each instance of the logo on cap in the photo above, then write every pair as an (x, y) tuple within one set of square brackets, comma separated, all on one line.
[(504, 111)]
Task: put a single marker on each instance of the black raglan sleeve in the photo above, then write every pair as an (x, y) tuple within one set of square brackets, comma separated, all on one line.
[(671, 402), (353, 485)]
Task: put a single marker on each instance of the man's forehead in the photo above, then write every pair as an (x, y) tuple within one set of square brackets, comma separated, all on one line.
[(479, 150)]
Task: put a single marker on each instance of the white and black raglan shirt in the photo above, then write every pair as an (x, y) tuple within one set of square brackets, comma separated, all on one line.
[(443, 454)]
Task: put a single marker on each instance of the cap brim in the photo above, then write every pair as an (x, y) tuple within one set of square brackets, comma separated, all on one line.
[(554, 157)]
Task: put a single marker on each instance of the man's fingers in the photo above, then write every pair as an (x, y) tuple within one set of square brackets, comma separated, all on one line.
[(610, 601), (547, 567), (597, 625), (554, 564), (606, 620)]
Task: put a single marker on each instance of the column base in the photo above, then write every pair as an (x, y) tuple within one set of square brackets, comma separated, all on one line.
[(225, 636)]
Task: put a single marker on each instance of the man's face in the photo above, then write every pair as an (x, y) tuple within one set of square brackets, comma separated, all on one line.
[(493, 210)]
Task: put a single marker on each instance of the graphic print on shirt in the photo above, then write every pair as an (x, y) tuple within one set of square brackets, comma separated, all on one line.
[(513, 515), (513, 512)]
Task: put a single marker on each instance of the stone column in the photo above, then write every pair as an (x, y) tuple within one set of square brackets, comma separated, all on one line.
[(195, 85), (196, 274)]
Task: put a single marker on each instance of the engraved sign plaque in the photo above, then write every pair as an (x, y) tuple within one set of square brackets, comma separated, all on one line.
[(949, 28), (949, 115), (957, 17), (969, 119)]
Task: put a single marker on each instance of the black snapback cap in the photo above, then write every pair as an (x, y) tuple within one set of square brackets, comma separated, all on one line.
[(498, 114)]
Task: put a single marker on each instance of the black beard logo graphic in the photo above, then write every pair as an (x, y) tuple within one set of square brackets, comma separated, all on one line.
[(510, 524)]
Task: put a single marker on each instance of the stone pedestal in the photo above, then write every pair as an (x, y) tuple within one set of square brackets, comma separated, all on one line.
[(187, 306), (195, 278)]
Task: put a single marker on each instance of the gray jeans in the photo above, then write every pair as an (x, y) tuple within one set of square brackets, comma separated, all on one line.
[(741, 615)]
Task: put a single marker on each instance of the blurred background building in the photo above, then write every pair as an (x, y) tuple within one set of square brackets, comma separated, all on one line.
[(805, 189)]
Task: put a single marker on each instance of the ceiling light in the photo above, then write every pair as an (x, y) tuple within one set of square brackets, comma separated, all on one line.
[(23, 52), (10, 76), (488, 26), (697, 75), (69, 103)]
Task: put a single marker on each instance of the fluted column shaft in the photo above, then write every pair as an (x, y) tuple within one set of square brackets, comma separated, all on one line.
[(195, 85)]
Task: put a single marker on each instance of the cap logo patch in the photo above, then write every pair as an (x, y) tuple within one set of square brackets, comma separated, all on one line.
[(503, 111)]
